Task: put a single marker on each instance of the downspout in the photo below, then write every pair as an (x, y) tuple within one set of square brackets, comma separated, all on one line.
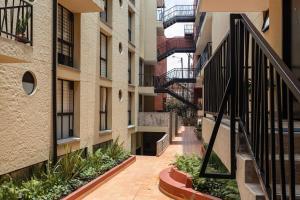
[(54, 65)]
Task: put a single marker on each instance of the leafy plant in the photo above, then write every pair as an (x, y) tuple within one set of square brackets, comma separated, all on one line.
[(22, 23), (116, 151), (69, 173), (224, 189), (8, 190)]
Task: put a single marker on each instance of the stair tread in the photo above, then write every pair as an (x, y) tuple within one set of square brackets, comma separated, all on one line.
[(255, 188)]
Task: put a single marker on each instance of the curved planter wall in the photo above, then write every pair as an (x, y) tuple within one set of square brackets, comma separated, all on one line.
[(178, 185)]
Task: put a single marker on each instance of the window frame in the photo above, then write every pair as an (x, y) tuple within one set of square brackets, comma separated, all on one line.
[(105, 112), (105, 59), (129, 67), (129, 109), (63, 59), (70, 113), (130, 26)]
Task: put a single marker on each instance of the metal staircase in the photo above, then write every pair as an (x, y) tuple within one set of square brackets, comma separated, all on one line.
[(178, 13), (175, 45), (171, 83)]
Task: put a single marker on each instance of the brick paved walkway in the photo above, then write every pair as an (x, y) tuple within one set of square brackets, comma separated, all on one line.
[(140, 180)]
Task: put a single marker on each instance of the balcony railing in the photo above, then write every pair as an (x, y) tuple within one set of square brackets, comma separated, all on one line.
[(179, 11), (174, 75), (250, 84), (199, 26), (146, 80), (204, 57), (16, 20), (188, 29), (162, 144)]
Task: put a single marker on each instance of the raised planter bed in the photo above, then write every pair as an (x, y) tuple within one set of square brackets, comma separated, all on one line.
[(88, 188), (178, 185)]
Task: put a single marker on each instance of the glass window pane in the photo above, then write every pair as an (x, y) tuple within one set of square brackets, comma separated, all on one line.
[(58, 127), (58, 96), (66, 126)]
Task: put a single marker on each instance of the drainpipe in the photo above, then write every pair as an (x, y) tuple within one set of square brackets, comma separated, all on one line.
[(54, 65)]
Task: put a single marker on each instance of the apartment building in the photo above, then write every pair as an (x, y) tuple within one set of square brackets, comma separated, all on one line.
[(70, 75)]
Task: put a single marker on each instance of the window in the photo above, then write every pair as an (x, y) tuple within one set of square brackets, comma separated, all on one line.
[(103, 15), (141, 71), (28, 83), (103, 108), (65, 36), (266, 22), (129, 67), (129, 27), (103, 55), (129, 108), (65, 109), (140, 103)]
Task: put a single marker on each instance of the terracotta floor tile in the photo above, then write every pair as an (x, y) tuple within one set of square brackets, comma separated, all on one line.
[(140, 180)]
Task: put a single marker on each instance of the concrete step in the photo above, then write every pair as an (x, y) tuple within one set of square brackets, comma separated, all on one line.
[(287, 172), (247, 180)]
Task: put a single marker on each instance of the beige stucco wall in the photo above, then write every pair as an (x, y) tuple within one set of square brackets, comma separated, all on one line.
[(220, 25), (222, 142), (25, 125), (148, 31)]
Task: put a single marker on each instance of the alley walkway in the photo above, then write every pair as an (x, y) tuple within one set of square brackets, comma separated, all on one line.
[(140, 180)]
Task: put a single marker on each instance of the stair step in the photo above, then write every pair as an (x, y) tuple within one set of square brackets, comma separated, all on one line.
[(255, 192), (278, 189)]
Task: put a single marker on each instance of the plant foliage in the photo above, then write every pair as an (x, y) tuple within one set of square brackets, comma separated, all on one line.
[(221, 188), (69, 173)]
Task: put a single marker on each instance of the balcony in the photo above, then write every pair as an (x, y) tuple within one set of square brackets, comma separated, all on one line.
[(153, 122), (16, 31), (86, 6), (237, 6), (146, 84)]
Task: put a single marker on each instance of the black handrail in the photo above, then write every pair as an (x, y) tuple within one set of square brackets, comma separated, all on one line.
[(255, 78), (16, 21)]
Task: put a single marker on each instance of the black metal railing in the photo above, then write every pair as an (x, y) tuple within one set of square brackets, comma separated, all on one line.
[(183, 91), (174, 75), (179, 11), (247, 81), (188, 29), (16, 20), (204, 57), (146, 80), (199, 26)]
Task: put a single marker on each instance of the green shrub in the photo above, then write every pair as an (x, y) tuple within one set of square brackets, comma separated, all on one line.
[(69, 173), (224, 189)]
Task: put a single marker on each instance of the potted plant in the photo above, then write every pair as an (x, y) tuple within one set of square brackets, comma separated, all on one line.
[(21, 27)]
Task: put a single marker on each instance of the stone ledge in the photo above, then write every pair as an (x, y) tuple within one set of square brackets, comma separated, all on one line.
[(68, 140), (88, 188)]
